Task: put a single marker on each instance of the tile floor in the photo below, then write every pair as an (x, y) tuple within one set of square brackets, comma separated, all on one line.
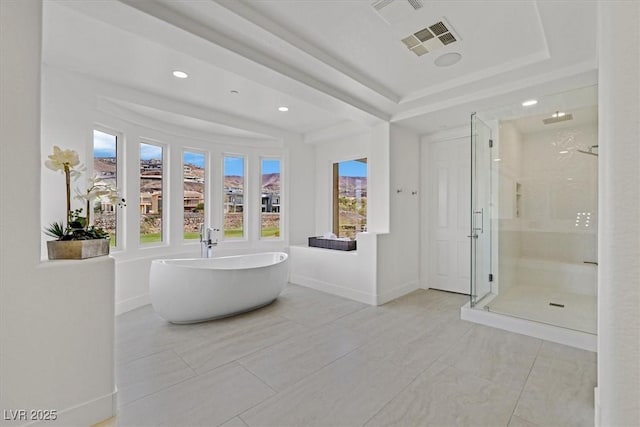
[(312, 359)]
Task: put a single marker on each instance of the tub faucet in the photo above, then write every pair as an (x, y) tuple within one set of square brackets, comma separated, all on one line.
[(206, 241)]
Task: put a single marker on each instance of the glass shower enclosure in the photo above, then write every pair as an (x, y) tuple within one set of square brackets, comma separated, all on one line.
[(533, 230)]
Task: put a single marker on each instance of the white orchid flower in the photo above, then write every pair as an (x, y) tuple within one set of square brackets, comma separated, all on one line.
[(115, 197), (96, 188), (92, 193), (62, 159)]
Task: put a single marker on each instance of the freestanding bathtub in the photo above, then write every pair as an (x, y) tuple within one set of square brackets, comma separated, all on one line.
[(200, 289)]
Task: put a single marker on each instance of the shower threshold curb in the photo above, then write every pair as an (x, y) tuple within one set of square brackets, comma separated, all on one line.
[(570, 337)]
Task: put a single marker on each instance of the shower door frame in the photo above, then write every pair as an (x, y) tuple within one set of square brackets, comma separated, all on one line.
[(481, 233)]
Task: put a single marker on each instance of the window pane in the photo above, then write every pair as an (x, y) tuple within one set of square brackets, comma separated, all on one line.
[(151, 183), (233, 197), (193, 193), (105, 166), (270, 216), (350, 198)]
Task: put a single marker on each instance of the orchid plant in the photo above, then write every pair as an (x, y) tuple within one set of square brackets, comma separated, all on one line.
[(78, 227), (98, 189), (67, 162)]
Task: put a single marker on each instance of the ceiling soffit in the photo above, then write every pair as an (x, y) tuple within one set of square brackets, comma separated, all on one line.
[(354, 40), (344, 58)]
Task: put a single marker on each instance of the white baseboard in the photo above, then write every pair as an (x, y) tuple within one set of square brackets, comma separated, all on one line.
[(132, 303), (543, 331), (333, 289), (83, 415), (397, 292)]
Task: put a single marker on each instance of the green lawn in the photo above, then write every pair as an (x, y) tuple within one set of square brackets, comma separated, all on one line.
[(233, 233), (150, 238), (191, 235), (236, 233), (271, 232)]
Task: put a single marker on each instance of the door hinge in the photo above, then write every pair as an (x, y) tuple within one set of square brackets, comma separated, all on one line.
[(490, 277), (491, 143)]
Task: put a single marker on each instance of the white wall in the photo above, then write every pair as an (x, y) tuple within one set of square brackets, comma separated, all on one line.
[(555, 187), (349, 274), (378, 195), (374, 145), (386, 263), (326, 154), (619, 224), (56, 324), (509, 168), (399, 251), (74, 104)]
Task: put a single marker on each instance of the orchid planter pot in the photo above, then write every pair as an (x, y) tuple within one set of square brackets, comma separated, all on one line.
[(77, 249)]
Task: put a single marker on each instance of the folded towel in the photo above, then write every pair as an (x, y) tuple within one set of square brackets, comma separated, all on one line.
[(329, 235)]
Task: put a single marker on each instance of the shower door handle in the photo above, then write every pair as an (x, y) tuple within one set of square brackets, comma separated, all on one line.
[(474, 236), (481, 213)]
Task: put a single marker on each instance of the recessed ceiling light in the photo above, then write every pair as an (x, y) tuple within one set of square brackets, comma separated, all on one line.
[(529, 102), (448, 59), (283, 109), (180, 74), (558, 114), (497, 160), (564, 151)]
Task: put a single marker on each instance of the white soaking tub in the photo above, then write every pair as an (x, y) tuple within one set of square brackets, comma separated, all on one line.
[(200, 289)]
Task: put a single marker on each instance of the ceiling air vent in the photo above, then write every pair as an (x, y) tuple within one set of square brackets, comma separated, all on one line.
[(419, 50), (424, 35), (395, 11), (417, 4), (447, 38), (431, 38), (439, 28), (411, 42), (381, 4)]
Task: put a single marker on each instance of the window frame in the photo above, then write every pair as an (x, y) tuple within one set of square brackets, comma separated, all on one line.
[(120, 244), (206, 189), (166, 195), (281, 193), (245, 192), (335, 194)]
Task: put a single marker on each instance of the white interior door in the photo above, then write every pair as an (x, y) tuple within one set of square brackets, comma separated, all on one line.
[(449, 166)]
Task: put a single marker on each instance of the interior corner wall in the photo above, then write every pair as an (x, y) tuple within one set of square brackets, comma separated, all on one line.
[(399, 250), (379, 180), (618, 396), (301, 179), (56, 318)]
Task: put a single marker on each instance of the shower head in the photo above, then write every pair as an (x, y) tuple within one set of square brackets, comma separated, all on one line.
[(588, 151)]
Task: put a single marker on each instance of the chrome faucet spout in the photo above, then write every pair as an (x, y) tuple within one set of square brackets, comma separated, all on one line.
[(201, 231), (207, 241)]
